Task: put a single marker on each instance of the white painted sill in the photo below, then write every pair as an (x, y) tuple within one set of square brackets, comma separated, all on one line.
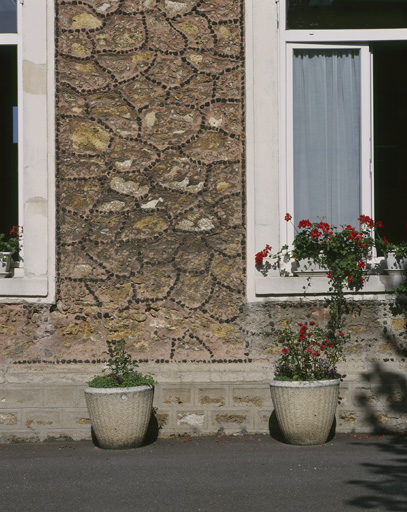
[(22, 287), (296, 286)]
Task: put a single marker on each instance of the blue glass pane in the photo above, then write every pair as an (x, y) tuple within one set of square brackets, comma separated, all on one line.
[(8, 16)]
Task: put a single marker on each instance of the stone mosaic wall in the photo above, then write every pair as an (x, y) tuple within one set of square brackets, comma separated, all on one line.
[(150, 191)]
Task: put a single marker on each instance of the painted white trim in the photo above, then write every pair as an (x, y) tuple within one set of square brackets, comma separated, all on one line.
[(367, 184), (250, 163), (10, 39), (317, 287), (262, 131), (337, 36), (266, 105), (34, 280)]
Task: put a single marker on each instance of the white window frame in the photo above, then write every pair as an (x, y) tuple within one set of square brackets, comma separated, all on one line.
[(34, 278), (269, 170), (286, 127)]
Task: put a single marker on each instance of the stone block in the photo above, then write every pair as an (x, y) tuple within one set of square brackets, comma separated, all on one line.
[(61, 396), (176, 396), (258, 397), (13, 435), (212, 397), (262, 420), (347, 420), (9, 419), (163, 419), (37, 420), (75, 418), (21, 397), (195, 421), (232, 420)]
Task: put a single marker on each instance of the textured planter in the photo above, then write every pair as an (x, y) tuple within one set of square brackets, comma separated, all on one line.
[(305, 410), (395, 264), (306, 268), (120, 416), (396, 268), (5, 260)]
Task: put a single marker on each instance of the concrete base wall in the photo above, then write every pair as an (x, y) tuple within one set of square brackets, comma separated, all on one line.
[(40, 402)]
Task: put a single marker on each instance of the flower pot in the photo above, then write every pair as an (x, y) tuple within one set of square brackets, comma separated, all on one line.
[(395, 264), (120, 416), (305, 410), (5, 260), (306, 268)]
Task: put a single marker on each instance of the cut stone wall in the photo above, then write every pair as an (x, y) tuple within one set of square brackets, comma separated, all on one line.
[(40, 403)]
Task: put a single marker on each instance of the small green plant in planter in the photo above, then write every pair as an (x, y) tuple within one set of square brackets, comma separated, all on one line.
[(120, 403), (122, 371)]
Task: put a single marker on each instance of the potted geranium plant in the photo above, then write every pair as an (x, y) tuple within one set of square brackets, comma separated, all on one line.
[(120, 402), (306, 383), (9, 249), (307, 364)]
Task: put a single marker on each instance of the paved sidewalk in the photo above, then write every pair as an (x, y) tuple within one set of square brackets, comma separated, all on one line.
[(210, 474)]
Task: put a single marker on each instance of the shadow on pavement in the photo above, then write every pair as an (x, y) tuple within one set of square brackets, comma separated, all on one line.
[(386, 487)]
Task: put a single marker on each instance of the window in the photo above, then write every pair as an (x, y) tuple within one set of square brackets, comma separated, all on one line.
[(27, 145), (325, 134), (345, 103)]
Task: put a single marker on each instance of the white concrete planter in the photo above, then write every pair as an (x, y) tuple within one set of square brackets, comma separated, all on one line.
[(120, 416), (5, 261), (307, 268), (393, 263), (305, 410), (396, 268)]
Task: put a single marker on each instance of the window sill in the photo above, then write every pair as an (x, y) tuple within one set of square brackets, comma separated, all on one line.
[(318, 286), (22, 287)]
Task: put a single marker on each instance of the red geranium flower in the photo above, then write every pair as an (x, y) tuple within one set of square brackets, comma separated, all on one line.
[(304, 224), (287, 217)]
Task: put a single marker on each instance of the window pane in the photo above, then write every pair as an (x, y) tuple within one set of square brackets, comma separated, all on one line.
[(8, 146), (326, 122), (346, 14), (390, 135), (8, 16)]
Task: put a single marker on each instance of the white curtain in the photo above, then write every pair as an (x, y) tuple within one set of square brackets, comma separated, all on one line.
[(326, 104)]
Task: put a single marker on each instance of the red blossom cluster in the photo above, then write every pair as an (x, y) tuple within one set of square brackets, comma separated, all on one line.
[(261, 255), (315, 348), (16, 231), (366, 220), (304, 224)]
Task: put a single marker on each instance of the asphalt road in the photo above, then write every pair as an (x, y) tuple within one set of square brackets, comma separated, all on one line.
[(211, 474)]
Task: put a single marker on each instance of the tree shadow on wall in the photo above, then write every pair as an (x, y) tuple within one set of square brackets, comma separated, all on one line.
[(384, 397), (384, 404)]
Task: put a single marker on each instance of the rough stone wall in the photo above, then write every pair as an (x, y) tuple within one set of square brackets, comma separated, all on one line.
[(150, 189)]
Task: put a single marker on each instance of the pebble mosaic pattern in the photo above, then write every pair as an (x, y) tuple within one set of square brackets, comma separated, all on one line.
[(150, 186)]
